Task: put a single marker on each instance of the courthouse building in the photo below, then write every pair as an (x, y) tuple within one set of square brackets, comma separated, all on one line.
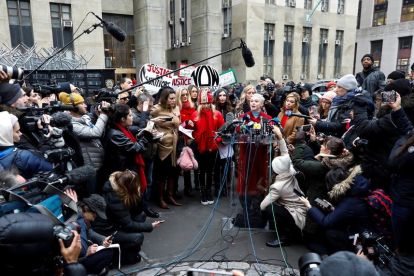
[(168, 32), (386, 29)]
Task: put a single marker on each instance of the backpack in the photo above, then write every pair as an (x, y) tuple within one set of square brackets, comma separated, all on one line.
[(380, 207)]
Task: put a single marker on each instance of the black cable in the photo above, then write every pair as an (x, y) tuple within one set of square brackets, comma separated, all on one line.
[(81, 23)]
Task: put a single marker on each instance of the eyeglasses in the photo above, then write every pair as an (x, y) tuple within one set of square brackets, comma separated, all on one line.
[(184, 95), (124, 98)]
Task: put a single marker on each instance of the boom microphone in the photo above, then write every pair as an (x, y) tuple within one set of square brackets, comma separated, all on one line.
[(62, 119), (76, 176), (113, 29), (247, 54)]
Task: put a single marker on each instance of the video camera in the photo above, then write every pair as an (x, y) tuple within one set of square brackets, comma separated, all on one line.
[(374, 247), (105, 94)]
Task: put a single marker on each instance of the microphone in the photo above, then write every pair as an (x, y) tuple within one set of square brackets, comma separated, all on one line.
[(113, 29), (229, 122), (264, 125), (277, 122), (76, 176), (246, 118), (62, 119), (247, 54), (289, 113)]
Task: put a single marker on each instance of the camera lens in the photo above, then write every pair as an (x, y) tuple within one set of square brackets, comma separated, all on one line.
[(309, 264), (14, 73)]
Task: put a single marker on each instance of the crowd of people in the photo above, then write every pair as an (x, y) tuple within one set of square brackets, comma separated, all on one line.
[(324, 164)]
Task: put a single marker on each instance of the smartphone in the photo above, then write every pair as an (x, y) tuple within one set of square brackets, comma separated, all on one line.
[(313, 111), (306, 128), (161, 221), (166, 118), (204, 272), (113, 235), (323, 203), (388, 97), (298, 193)]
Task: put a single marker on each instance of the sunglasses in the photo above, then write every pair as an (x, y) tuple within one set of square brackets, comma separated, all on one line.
[(124, 98)]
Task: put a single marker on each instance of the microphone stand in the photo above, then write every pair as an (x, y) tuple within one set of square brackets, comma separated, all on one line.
[(242, 44), (87, 31)]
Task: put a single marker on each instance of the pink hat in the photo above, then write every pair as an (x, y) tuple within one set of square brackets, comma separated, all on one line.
[(330, 95)]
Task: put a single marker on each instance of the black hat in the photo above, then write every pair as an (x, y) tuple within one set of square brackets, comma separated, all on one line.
[(396, 75), (9, 93), (307, 87), (347, 263), (368, 55), (97, 204), (402, 86)]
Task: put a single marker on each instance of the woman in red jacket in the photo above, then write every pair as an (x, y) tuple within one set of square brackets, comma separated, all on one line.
[(206, 120), (186, 110)]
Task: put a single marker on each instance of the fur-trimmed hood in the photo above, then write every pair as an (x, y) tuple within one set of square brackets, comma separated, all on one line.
[(344, 160), (354, 185)]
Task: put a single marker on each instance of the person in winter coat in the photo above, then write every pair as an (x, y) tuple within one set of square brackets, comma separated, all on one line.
[(339, 111), (122, 149), (89, 134), (222, 103), (193, 94), (306, 96), (289, 211), (290, 124), (401, 163), (350, 214), (244, 104), (186, 110), (403, 87), (166, 159), (95, 262), (331, 155), (27, 163), (207, 120), (325, 104), (370, 78), (122, 193)]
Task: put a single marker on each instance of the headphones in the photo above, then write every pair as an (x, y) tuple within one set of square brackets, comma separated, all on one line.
[(75, 108)]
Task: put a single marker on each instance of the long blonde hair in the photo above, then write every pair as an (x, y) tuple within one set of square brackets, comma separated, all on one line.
[(127, 186), (200, 107), (178, 97), (243, 96)]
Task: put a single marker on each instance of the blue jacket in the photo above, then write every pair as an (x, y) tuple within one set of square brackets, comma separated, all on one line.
[(25, 161), (352, 210)]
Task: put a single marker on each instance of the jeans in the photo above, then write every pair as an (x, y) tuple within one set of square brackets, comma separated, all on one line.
[(206, 166), (149, 165), (95, 263), (402, 219)]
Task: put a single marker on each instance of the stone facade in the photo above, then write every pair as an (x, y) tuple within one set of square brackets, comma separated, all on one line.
[(388, 33)]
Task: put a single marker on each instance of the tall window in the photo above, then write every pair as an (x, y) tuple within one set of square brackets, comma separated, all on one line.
[(407, 12), (341, 6), (288, 50), (308, 4), (404, 53), (306, 47), (184, 20), (338, 53), (20, 22), (380, 13), (269, 41), (227, 17), (359, 14), (61, 25), (376, 51), (323, 46), (119, 54), (325, 5), (172, 23), (270, 2)]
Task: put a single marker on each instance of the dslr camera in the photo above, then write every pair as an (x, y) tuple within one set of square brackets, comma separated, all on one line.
[(374, 247), (64, 232)]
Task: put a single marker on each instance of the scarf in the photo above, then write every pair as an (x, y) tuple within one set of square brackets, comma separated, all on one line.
[(205, 126), (345, 98), (256, 113), (186, 111), (138, 159), (285, 118)]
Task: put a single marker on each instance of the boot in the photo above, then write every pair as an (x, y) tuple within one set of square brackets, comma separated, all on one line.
[(171, 189), (284, 241), (161, 190), (204, 200)]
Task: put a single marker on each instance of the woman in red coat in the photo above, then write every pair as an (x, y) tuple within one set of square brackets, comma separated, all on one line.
[(207, 120), (256, 176), (186, 110)]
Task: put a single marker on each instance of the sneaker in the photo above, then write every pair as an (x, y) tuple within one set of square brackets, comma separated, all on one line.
[(210, 199), (204, 200)]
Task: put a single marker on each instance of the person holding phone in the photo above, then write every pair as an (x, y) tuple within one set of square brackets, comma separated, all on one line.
[(282, 201), (165, 163), (351, 214), (324, 105)]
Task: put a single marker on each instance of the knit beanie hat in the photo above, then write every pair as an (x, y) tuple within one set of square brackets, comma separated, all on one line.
[(66, 100), (329, 84), (402, 86), (9, 93), (345, 263), (281, 164), (348, 82), (330, 95), (396, 75), (368, 55), (205, 96), (97, 205)]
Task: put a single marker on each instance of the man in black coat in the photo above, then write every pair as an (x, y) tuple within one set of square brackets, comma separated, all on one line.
[(370, 78)]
